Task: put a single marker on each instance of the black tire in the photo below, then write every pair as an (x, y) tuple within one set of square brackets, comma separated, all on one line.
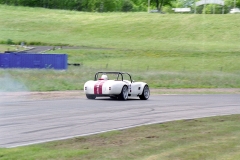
[(124, 94), (145, 94), (89, 96)]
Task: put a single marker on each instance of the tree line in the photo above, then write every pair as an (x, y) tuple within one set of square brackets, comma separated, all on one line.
[(123, 5), (83, 5)]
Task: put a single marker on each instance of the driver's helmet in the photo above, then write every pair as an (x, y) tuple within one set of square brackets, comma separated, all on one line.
[(104, 77)]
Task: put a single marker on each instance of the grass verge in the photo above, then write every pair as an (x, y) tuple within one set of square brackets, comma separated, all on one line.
[(74, 79), (204, 138), (159, 70), (4, 48)]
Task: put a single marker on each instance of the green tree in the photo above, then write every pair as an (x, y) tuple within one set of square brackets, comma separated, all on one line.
[(160, 3), (212, 9), (110, 5), (127, 6)]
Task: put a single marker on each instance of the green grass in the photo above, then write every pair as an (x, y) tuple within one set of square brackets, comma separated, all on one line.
[(4, 48), (74, 79), (159, 32), (205, 138), (156, 61), (159, 70), (165, 50)]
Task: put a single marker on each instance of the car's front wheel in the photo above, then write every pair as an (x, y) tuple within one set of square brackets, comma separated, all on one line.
[(145, 94), (124, 93), (89, 96)]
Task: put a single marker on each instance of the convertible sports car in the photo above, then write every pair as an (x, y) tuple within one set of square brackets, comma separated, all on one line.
[(116, 85)]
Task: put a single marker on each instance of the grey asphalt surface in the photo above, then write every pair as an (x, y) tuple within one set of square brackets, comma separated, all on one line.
[(29, 122), (40, 49)]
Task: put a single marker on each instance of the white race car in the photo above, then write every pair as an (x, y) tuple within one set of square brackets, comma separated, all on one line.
[(116, 85)]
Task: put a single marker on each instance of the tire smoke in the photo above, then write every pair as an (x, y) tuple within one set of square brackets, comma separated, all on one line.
[(11, 90)]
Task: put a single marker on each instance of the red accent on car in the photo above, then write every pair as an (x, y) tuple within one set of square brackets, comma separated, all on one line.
[(98, 87)]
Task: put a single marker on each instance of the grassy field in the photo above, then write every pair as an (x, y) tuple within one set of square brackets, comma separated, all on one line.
[(207, 138), (149, 32), (190, 70), (165, 50), (4, 47)]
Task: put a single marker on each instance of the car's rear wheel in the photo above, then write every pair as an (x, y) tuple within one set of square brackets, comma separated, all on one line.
[(124, 93), (145, 94), (89, 96)]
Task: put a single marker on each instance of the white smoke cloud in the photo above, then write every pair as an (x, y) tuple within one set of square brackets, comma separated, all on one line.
[(11, 90), (8, 84)]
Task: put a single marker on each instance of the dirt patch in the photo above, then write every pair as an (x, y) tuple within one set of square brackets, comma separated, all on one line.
[(22, 96), (197, 91), (57, 94), (14, 96)]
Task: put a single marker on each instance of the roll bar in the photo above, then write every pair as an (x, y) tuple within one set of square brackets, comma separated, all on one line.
[(120, 75)]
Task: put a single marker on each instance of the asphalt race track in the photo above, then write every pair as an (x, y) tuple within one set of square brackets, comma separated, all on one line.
[(29, 122)]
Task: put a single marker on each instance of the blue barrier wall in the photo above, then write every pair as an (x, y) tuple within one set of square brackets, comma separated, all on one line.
[(32, 60)]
